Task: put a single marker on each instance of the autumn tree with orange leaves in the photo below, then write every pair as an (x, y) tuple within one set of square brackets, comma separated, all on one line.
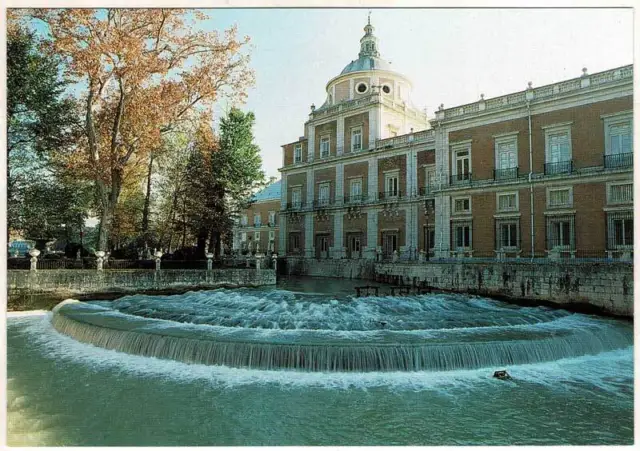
[(144, 72)]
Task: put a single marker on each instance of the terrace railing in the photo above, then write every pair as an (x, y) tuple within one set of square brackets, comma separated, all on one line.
[(505, 174), (560, 167), (620, 160)]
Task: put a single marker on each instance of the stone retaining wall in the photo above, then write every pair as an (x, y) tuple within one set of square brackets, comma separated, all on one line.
[(92, 281), (604, 287)]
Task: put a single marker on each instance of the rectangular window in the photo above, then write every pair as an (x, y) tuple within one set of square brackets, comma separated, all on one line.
[(463, 165), (323, 243), (560, 232), (257, 220), (323, 193), (558, 150), (429, 179), (356, 139), (620, 230), (297, 153), (507, 234), (391, 185), (507, 202), (558, 147), (389, 243), (324, 146), (506, 158), (272, 235), (355, 190), (621, 193), (294, 242), (559, 197), (462, 205), (256, 236), (244, 220), (272, 218), (296, 197), (620, 140), (462, 235)]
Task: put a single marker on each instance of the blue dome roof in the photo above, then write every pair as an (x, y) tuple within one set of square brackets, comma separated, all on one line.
[(366, 63), (271, 192)]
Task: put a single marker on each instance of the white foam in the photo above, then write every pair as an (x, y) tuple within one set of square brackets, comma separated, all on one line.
[(594, 370)]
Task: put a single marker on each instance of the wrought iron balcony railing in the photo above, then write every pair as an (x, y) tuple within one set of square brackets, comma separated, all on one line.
[(385, 195), (354, 198), (620, 160), (505, 174), (426, 190), (460, 179), (294, 205), (323, 202), (560, 167)]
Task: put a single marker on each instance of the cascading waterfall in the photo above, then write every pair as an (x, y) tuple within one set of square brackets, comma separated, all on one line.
[(283, 330)]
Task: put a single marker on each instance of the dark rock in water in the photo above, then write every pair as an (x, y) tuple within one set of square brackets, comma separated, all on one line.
[(502, 374)]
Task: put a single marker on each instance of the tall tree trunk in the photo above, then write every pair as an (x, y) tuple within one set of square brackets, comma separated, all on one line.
[(147, 201), (109, 198)]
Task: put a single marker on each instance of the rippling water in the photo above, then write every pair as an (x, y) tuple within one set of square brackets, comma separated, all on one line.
[(64, 392)]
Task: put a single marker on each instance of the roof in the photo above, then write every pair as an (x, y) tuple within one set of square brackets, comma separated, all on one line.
[(366, 63), (271, 192)]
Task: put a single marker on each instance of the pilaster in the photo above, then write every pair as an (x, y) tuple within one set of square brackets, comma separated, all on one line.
[(338, 250), (411, 229), (442, 226), (339, 195), (340, 135), (311, 133), (309, 248), (282, 234), (310, 187), (372, 181), (283, 192), (372, 234)]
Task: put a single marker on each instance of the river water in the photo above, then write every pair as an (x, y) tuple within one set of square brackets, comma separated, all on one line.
[(572, 374)]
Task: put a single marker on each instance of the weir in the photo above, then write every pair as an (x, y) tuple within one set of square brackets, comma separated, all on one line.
[(342, 342)]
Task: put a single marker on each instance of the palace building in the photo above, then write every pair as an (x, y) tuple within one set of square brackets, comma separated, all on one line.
[(257, 227), (544, 172)]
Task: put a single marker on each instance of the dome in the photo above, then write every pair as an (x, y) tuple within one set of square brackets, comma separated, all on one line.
[(366, 63)]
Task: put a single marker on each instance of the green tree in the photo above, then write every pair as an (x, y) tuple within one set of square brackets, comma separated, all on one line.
[(40, 121), (223, 173)]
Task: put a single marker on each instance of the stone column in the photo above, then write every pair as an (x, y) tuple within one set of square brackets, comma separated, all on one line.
[(209, 262), (339, 196), (34, 258), (340, 135), (372, 234), (338, 241), (274, 260), (309, 248), (259, 261), (372, 180), (412, 173)]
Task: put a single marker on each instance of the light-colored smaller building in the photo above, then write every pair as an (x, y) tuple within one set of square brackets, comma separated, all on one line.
[(257, 228)]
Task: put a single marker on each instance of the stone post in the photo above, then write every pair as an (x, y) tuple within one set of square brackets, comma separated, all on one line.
[(100, 255), (395, 256), (274, 259), (209, 262), (259, 261), (421, 256), (158, 256), (247, 261), (34, 258)]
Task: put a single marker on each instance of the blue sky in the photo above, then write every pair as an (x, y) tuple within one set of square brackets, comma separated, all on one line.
[(451, 55)]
